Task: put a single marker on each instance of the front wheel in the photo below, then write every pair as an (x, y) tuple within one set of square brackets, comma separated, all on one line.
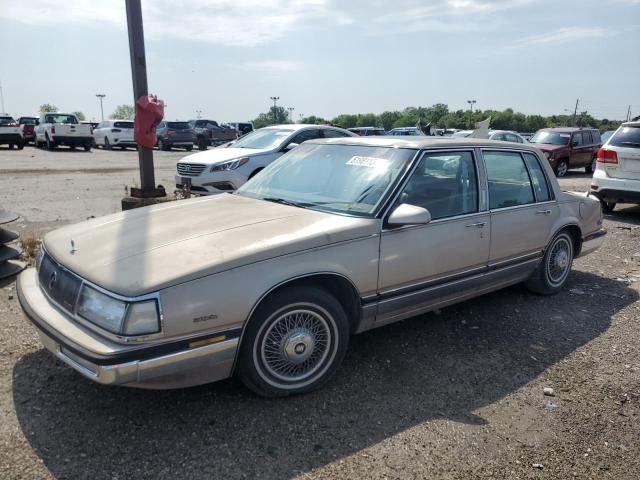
[(562, 167), (553, 271), (607, 207), (294, 342)]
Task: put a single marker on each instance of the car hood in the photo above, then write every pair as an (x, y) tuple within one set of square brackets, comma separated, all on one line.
[(220, 155), (547, 147), (147, 249)]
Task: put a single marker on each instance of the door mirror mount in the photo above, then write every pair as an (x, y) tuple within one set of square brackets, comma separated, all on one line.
[(407, 214), (290, 147)]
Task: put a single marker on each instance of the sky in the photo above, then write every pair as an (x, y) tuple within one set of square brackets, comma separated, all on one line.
[(225, 58)]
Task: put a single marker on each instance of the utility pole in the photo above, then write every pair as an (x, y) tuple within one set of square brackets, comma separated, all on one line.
[(575, 111), (471, 102), (291, 109), (101, 96), (140, 89), (1, 100), (275, 99)]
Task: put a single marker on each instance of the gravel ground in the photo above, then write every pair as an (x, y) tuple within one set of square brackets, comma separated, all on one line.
[(456, 394)]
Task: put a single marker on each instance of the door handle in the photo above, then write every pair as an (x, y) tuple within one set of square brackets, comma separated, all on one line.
[(544, 212), (477, 225)]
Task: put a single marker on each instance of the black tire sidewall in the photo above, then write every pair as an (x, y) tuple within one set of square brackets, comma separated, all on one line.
[(313, 298), (557, 169)]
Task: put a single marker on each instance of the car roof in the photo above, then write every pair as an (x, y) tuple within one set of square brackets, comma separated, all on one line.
[(631, 124), (415, 142)]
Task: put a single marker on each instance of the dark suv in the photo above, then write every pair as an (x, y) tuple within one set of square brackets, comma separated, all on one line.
[(567, 148), (175, 134)]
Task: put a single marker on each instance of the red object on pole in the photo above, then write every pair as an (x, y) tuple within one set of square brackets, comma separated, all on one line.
[(149, 113)]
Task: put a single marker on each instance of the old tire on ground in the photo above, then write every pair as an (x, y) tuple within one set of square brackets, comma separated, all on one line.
[(293, 343), (607, 207), (552, 272), (562, 167)]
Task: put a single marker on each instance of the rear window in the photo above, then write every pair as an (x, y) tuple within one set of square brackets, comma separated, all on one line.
[(61, 119), (626, 137), (7, 122), (28, 121), (123, 124), (179, 125)]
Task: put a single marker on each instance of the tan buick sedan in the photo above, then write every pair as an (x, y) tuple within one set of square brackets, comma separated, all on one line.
[(334, 238)]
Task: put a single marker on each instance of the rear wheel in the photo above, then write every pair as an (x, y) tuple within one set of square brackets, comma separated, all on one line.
[(553, 271), (87, 147), (189, 148), (162, 145), (294, 342), (107, 144), (591, 167), (607, 207), (49, 143), (11, 146), (562, 167), (20, 145)]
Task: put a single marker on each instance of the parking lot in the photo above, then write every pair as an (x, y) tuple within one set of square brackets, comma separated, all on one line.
[(457, 393)]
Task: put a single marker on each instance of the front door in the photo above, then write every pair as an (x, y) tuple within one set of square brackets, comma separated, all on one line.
[(522, 208), (422, 264)]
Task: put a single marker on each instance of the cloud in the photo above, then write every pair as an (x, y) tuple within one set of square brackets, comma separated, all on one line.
[(562, 35)]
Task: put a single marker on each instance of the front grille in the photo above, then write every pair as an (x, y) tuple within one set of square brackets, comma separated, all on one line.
[(59, 284), (190, 169)]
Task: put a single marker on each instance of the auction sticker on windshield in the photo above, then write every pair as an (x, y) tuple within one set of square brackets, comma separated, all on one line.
[(370, 162)]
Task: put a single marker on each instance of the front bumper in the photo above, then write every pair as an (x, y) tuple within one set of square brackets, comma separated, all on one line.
[(209, 183), (592, 242), (173, 364)]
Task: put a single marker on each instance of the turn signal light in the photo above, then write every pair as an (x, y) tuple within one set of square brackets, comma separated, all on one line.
[(607, 156)]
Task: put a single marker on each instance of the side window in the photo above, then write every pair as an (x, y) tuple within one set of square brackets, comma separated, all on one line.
[(596, 136), (586, 136), (540, 185), (577, 139), (509, 183), (306, 135), (498, 136), (330, 133), (444, 183), (512, 138)]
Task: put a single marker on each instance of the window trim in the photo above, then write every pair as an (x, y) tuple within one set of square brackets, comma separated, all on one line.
[(393, 199)]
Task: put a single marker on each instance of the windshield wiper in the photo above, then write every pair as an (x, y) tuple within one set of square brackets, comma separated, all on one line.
[(635, 144), (282, 201)]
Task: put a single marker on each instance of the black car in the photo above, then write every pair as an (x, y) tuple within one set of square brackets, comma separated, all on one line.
[(175, 134)]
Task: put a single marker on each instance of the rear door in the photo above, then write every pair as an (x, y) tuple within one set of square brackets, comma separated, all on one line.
[(626, 143), (522, 208), (581, 153)]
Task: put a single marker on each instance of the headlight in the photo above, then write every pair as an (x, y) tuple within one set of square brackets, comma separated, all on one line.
[(232, 165), (117, 316)]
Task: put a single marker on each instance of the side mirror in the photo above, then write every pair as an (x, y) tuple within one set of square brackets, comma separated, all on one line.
[(290, 147), (574, 143), (407, 214)]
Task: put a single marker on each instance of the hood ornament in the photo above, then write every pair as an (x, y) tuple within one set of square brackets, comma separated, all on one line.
[(73, 247)]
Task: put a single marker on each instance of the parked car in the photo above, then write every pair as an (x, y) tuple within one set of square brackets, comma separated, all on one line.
[(55, 129), (226, 169), (241, 128), (605, 136), (92, 125), (175, 134), (10, 133), (617, 175), (567, 148), (404, 131), (500, 135), (114, 133), (27, 126), (337, 237), (367, 131), (208, 133)]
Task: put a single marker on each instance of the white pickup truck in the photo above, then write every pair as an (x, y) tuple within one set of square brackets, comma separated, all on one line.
[(62, 129)]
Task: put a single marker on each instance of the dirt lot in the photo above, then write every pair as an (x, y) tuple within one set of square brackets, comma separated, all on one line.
[(456, 394)]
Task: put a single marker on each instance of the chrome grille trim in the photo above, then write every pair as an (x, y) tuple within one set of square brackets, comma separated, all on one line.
[(190, 169)]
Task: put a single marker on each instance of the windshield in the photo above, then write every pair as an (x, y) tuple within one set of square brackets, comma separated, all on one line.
[(61, 119), (123, 124), (626, 137), (263, 138), (551, 138), (337, 178), (7, 122), (28, 121)]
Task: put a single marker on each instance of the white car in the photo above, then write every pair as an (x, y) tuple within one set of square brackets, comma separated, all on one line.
[(616, 178), (502, 135), (227, 169), (55, 129), (10, 133), (114, 133)]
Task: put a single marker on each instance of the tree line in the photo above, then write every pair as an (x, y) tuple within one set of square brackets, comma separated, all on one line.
[(439, 116)]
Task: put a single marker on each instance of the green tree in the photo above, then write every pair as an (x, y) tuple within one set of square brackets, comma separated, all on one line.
[(80, 116), (123, 112), (346, 120), (275, 116), (387, 119), (47, 107), (367, 120), (313, 120)]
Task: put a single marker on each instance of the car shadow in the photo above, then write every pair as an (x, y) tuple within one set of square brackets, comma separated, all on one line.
[(440, 366)]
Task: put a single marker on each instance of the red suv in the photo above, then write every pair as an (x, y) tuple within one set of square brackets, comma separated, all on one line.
[(567, 148)]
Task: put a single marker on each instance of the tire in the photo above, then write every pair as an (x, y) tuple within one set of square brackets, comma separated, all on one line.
[(107, 144), (189, 148), (72, 147), (551, 274), (11, 146), (87, 148), (50, 145), (562, 167), (20, 145), (607, 207), (591, 167), (162, 146), (202, 143), (279, 338)]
